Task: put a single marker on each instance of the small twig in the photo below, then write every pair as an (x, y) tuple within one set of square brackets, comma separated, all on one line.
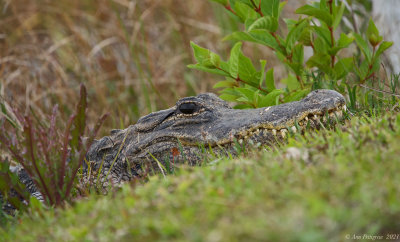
[(381, 91)]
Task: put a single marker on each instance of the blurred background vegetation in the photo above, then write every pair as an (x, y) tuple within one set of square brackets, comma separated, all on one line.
[(131, 55)]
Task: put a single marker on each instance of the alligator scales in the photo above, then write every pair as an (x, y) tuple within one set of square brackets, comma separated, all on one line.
[(178, 134)]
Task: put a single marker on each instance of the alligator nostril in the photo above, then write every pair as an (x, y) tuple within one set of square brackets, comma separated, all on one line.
[(188, 108)]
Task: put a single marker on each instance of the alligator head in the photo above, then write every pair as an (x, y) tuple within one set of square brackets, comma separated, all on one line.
[(177, 134)]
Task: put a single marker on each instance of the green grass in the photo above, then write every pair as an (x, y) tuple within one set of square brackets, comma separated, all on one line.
[(345, 181)]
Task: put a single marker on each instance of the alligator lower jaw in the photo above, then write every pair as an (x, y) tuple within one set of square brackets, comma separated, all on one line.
[(308, 120)]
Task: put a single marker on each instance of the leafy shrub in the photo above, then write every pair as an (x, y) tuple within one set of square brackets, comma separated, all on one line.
[(50, 158), (255, 88)]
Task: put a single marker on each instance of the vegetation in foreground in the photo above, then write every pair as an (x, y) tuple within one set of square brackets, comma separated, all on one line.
[(319, 187)]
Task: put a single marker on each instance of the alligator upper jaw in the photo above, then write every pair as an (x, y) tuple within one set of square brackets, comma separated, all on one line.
[(316, 108), (225, 125)]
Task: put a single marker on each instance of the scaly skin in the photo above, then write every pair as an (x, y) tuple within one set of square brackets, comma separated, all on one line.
[(211, 124), (178, 133)]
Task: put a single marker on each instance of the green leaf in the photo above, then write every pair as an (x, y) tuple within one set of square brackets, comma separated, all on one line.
[(200, 54), (363, 45), (244, 11), (246, 70), (271, 7), (265, 37), (321, 61), (306, 36), (226, 83), (259, 36), (320, 14), (246, 93), (267, 22), (291, 82), (234, 60), (337, 15), (295, 34), (207, 69), (343, 42), (262, 76), (296, 96), (215, 59), (270, 99), (324, 33), (269, 80), (382, 47), (343, 67)]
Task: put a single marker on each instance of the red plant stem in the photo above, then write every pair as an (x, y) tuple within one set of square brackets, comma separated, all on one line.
[(332, 44), (100, 122), (370, 66), (230, 9), (63, 164), (30, 137)]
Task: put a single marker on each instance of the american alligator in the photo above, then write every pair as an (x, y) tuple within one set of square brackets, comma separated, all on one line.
[(178, 134)]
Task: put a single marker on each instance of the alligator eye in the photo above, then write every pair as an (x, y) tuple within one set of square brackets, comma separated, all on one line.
[(188, 108)]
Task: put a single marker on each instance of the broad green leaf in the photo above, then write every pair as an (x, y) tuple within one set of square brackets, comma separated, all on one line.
[(363, 45), (226, 83), (259, 36), (382, 47), (295, 34), (291, 82), (262, 77), (267, 22), (234, 60), (215, 59), (337, 15), (243, 106), (207, 69), (298, 54), (320, 46), (270, 99), (321, 61), (306, 36), (244, 11), (270, 7), (343, 42), (296, 96), (269, 80), (200, 54), (228, 97), (246, 70), (245, 93), (324, 33), (320, 14), (343, 67), (265, 38)]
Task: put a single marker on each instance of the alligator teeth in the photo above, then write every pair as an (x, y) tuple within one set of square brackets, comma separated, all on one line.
[(306, 118), (315, 117), (274, 132), (283, 132), (293, 128), (257, 131)]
